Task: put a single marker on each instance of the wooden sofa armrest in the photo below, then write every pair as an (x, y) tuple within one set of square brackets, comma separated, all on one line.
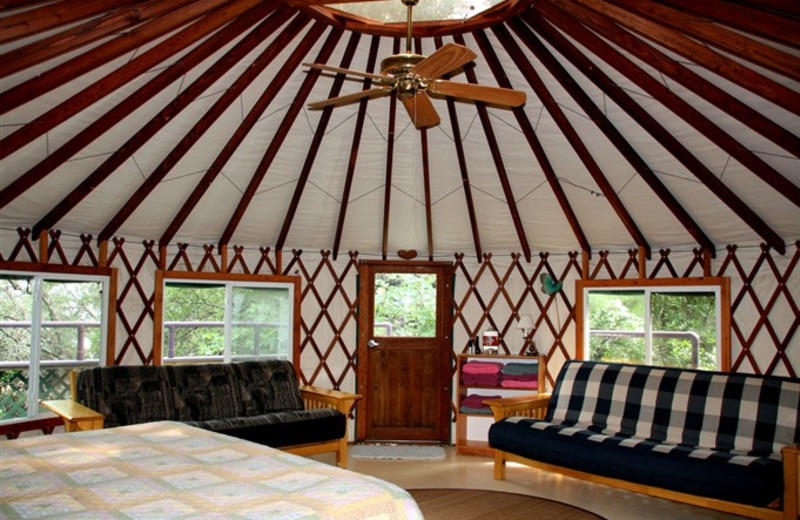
[(533, 405), (791, 481), (314, 397), (76, 416)]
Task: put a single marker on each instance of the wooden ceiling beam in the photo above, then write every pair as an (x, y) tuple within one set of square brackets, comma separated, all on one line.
[(282, 131), (387, 188), (372, 59), (458, 141), (316, 141), (119, 77), (265, 99), (426, 175), (79, 65), (502, 174), (177, 105), (120, 111), (698, 53), (52, 16), (780, 7), (117, 20), (546, 12), (705, 89), (576, 142), (607, 127), (530, 136), (783, 30)]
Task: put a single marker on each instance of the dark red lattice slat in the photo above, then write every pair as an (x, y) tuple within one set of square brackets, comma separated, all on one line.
[(325, 270), (209, 259), (664, 263), (782, 289), (54, 247), (603, 265), (23, 244), (86, 250), (181, 256), (132, 288), (238, 260), (695, 264), (631, 265), (265, 260)]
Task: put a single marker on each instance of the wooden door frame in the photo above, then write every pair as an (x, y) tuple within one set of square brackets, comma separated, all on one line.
[(444, 302)]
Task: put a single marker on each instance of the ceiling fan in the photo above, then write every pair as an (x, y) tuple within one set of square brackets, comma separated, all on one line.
[(414, 76)]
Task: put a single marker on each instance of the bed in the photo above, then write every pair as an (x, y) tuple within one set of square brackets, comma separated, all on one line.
[(172, 470)]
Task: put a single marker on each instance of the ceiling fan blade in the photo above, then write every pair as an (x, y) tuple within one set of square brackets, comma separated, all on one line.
[(349, 98), (446, 59), (339, 70), (493, 95), (421, 110)]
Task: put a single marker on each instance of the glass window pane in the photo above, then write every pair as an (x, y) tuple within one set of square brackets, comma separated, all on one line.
[(193, 321), (16, 306), (260, 323), (405, 305), (684, 329), (616, 326)]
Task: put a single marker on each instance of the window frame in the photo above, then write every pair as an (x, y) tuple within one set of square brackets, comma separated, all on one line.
[(719, 285), (107, 276), (241, 279)]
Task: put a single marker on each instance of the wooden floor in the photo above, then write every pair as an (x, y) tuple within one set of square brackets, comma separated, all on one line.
[(459, 471)]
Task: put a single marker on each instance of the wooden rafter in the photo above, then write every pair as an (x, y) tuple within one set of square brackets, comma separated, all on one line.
[(570, 26), (118, 77), (387, 190), (351, 165), (607, 127), (533, 141), (724, 140), (319, 134), (426, 175), (79, 65), (781, 29), (458, 141), (235, 90), (52, 16), (700, 54), (117, 20), (120, 111), (717, 96), (280, 136), (576, 142), (502, 174), (175, 107), (730, 41)]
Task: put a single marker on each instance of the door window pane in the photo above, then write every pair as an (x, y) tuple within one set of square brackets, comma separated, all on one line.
[(405, 305)]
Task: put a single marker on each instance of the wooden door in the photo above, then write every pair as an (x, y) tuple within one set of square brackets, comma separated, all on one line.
[(404, 351)]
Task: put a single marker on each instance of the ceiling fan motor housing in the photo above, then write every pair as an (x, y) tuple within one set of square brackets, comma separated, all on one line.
[(399, 67)]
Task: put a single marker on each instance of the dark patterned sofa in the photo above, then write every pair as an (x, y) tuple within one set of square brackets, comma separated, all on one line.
[(259, 401), (721, 440)]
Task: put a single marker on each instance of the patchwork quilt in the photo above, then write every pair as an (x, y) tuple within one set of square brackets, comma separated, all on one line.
[(172, 470)]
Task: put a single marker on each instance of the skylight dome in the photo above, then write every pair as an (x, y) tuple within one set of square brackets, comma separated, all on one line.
[(425, 10)]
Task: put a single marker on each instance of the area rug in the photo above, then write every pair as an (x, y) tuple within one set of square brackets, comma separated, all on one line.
[(396, 452), (476, 504)]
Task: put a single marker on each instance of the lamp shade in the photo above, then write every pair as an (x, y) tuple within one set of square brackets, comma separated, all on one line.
[(525, 322)]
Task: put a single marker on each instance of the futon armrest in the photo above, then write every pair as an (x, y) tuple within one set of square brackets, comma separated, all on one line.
[(533, 405), (791, 481), (76, 416), (314, 398)]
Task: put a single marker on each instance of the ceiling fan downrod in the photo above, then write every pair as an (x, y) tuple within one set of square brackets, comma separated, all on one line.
[(409, 7)]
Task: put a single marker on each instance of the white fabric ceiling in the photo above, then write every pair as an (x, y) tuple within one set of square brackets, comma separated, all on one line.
[(315, 223)]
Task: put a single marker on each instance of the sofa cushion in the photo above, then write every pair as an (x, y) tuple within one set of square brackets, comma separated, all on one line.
[(203, 392), (717, 474), (267, 386), (126, 394), (278, 429), (713, 410)]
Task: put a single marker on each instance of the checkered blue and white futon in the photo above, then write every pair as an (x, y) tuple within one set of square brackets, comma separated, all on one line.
[(706, 433)]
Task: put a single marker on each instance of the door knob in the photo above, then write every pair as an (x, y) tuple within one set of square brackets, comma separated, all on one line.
[(372, 343)]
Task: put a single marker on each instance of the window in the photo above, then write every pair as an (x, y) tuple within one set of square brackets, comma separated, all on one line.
[(678, 323), (405, 305), (225, 318), (50, 323)]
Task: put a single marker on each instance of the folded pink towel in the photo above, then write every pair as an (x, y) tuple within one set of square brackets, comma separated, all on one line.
[(481, 367), (527, 377), (519, 384)]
